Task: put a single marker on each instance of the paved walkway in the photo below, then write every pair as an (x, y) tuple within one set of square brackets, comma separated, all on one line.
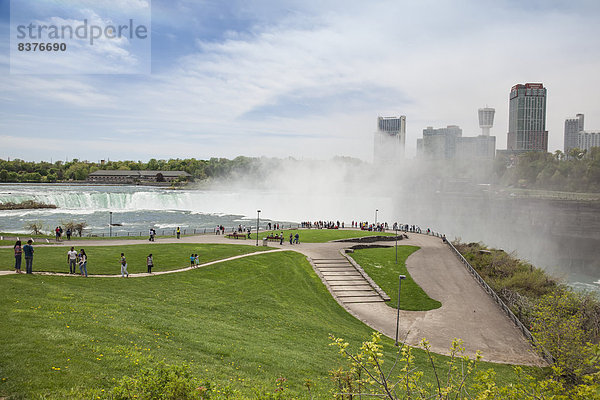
[(467, 312)]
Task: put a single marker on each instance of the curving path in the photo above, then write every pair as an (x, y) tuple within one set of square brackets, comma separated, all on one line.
[(467, 312)]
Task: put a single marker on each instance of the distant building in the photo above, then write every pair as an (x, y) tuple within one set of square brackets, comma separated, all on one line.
[(124, 176), (572, 127), (486, 120), (438, 143), (527, 118), (390, 139), (478, 147), (587, 140), (448, 143)]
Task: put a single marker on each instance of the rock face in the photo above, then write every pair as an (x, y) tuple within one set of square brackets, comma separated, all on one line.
[(25, 205)]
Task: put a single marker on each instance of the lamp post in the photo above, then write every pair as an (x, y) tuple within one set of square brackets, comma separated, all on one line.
[(257, 224), (110, 224), (400, 278), (376, 217), (396, 225)]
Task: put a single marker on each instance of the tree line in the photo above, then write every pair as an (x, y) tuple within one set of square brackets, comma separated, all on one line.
[(75, 170), (577, 171)]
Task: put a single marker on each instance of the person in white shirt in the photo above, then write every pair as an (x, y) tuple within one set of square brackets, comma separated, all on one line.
[(72, 260)]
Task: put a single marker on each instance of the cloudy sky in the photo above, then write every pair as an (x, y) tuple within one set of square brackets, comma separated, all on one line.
[(301, 78)]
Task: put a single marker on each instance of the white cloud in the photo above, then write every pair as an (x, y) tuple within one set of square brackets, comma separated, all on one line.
[(435, 62)]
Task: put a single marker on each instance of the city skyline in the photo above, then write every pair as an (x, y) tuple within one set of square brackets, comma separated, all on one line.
[(302, 79)]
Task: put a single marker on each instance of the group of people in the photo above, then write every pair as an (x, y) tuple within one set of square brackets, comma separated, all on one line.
[(194, 260), (58, 231), (323, 224), (74, 258), (28, 251)]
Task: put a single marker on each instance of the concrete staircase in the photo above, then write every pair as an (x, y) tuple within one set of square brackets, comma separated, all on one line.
[(345, 282)]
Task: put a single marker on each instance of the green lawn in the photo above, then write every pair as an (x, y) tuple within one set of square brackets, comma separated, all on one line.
[(380, 265), (240, 324), (321, 235), (105, 259)]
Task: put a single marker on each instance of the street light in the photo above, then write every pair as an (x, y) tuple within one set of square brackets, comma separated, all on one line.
[(400, 278), (376, 217), (396, 226), (257, 224), (110, 224)]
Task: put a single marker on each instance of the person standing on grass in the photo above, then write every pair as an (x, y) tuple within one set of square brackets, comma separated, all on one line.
[(124, 266), (18, 253), (83, 263), (149, 263), (28, 250), (72, 260), (196, 260), (192, 260)]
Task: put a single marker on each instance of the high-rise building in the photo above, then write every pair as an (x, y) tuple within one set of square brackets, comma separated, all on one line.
[(390, 139), (587, 140), (486, 120), (438, 143), (527, 118), (572, 127), (449, 143)]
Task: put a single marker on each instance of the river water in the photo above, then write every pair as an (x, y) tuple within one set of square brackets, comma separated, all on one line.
[(562, 237)]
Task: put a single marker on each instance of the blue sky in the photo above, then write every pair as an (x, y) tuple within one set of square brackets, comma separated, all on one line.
[(300, 78)]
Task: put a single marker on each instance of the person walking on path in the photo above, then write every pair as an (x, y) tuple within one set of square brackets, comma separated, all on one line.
[(297, 238), (149, 263), (178, 233), (291, 238), (124, 266), (281, 239), (196, 260), (18, 253), (192, 260), (28, 250), (72, 260), (83, 263)]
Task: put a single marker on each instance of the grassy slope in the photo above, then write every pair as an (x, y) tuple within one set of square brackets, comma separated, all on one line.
[(242, 323), (105, 259), (380, 265)]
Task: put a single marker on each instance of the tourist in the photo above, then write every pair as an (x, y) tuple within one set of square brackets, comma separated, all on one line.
[(192, 260), (69, 232), (18, 252), (196, 260), (151, 236), (83, 263), (72, 260), (297, 238), (291, 238), (281, 239), (124, 266), (28, 250), (57, 233), (149, 263), (178, 233)]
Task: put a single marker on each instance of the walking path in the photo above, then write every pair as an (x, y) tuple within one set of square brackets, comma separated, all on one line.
[(467, 312)]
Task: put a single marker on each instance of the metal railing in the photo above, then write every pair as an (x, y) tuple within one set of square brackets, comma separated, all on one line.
[(543, 352), (173, 232)]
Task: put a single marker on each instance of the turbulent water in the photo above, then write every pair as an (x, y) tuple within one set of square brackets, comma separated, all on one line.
[(139, 208), (561, 236)]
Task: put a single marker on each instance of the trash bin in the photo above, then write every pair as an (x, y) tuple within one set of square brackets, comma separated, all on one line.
[(265, 241)]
